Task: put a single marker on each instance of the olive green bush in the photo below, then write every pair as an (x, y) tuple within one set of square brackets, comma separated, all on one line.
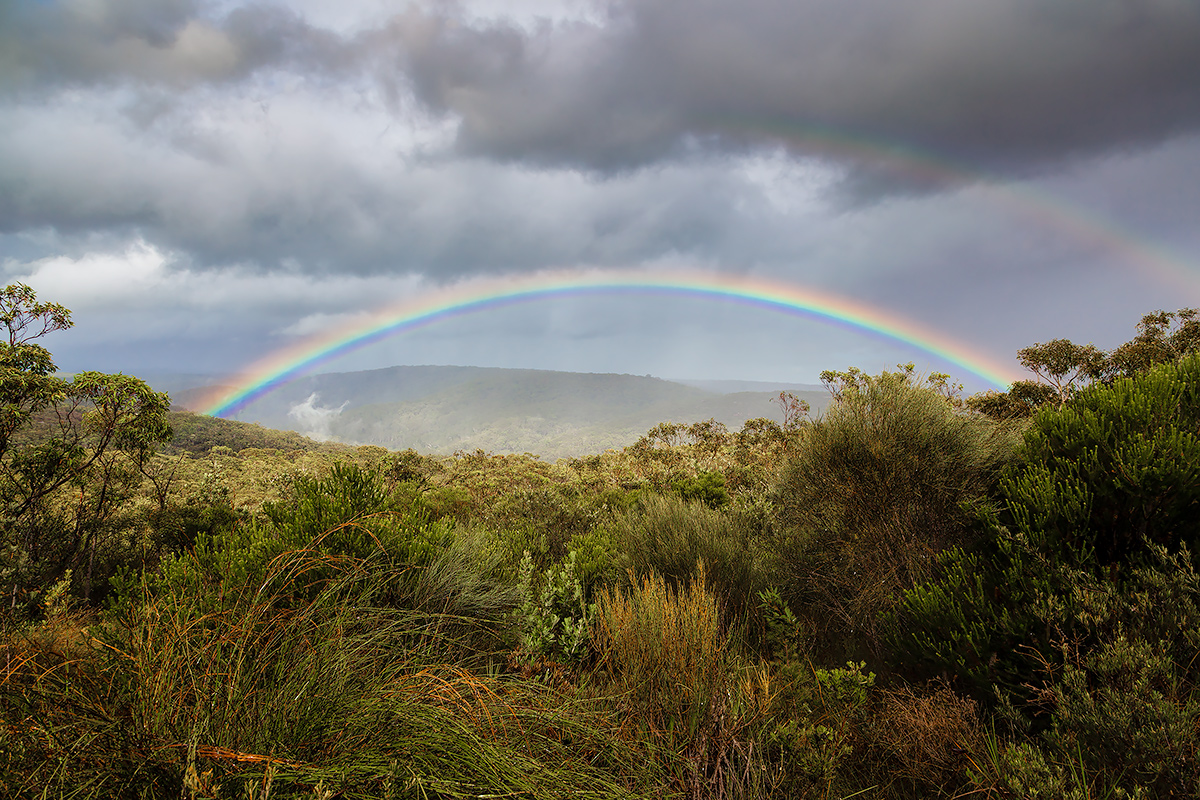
[(553, 617), (345, 515), (669, 537), (1107, 495), (874, 490)]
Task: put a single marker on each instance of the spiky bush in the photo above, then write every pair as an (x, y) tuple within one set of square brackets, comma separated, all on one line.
[(667, 651), (1107, 495), (667, 646), (1078, 611)]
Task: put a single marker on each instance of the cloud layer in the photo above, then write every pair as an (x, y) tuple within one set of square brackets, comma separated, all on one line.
[(212, 173)]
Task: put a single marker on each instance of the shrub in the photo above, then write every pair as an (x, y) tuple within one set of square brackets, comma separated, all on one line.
[(346, 515), (874, 490), (1115, 470), (668, 652), (1078, 614), (1091, 530), (553, 619), (667, 647), (706, 487), (670, 537), (1124, 715), (815, 730)]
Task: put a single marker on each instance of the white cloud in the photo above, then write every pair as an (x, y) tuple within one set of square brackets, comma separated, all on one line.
[(96, 278), (313, 420), (321, 322)]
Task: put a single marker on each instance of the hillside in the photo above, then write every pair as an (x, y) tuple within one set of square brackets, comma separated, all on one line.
[(197, 434), (443, 409)]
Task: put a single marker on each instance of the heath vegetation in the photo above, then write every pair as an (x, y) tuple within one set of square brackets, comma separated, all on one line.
[(914, 595)]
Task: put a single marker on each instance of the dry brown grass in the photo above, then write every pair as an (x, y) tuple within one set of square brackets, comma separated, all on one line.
[(924, 736), (667, 650)]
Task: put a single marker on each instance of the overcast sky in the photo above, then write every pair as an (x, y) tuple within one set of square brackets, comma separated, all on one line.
[(202, 182)]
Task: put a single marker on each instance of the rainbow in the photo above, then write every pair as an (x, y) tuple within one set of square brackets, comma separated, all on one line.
[(1040, 208), (471, 297)]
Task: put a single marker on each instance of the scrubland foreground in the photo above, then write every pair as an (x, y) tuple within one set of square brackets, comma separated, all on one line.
[(912, 596)]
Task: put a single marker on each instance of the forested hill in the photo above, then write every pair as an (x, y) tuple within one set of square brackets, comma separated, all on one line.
[(442, 409)]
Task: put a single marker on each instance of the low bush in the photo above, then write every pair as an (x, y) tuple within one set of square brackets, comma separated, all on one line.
[(667, 651), (813, 735), (669, 537), (553, 618)]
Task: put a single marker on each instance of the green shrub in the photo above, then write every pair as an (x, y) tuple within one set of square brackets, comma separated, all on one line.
[(553, 618), (1078, 614), (1115, 470), (346, 515), (1084, 539), (815, 728), (595, 558), (874, 491), (669, 537), (706, 487), (1127, 718)]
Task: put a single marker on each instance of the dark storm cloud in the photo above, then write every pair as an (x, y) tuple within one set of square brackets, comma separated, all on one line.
[(998, 84), (251, 136)]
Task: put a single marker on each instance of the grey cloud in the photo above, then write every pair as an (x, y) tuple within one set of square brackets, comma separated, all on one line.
[(242, 195), (1002, 86), (999, 85), (175, 139), (158, 42)]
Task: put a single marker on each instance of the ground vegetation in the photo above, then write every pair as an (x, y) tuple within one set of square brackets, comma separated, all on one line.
[(914, 594)]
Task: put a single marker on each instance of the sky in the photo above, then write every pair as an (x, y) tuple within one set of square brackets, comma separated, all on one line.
[(207, 182)]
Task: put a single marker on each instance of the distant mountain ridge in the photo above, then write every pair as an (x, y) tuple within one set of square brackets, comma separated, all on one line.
[(442, 409)]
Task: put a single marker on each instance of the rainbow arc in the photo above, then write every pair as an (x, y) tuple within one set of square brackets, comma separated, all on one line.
[(473, 297)]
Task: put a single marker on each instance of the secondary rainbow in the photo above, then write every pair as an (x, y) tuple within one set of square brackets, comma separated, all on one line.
[(1021, 198), (476, 296)]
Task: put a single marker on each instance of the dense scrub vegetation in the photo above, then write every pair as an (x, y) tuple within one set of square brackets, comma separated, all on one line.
[(914, 595)]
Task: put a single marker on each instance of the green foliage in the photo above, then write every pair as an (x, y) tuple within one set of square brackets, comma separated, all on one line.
[(553, 620), (1062, 365), (337, 695), (1022, 400), (1162, 336), (594, 557), (670, 537), (874, 490), (1124, 714), (784, 633), (1079, 612), (707, 487), (346, 514), (283, 623), (1117, 469), (1064, 368), (816, 724), (198, 434), (70, 456)]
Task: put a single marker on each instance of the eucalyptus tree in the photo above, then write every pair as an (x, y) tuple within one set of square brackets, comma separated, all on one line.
[(70, 449)]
